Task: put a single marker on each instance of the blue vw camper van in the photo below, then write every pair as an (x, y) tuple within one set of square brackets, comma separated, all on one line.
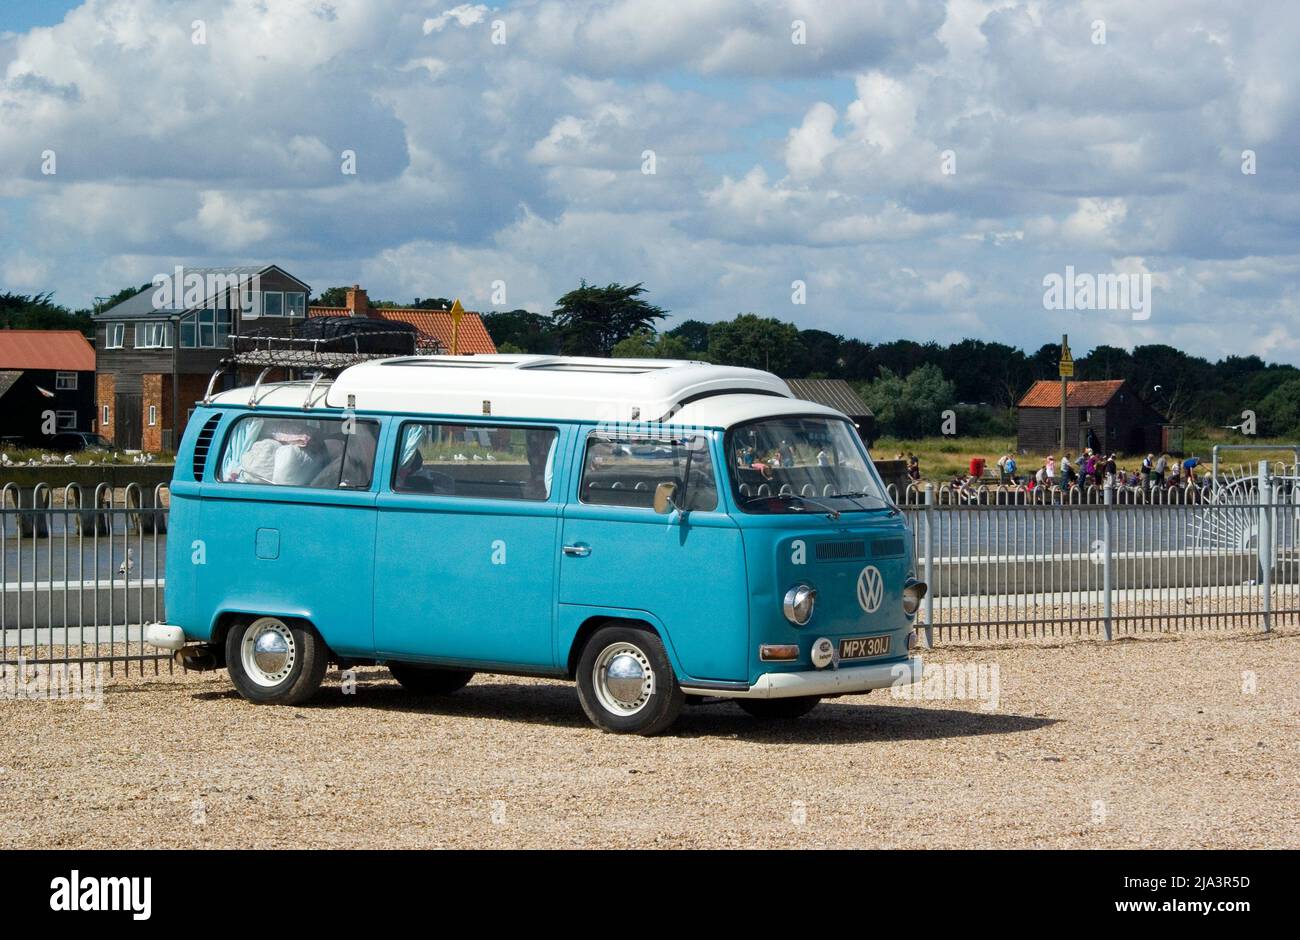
[(653, 530)]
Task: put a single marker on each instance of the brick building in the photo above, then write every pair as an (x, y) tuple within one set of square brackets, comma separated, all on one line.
[(158, 349)]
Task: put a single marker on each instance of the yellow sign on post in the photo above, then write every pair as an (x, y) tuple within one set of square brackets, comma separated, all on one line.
[(1067, 362), (457, 311)]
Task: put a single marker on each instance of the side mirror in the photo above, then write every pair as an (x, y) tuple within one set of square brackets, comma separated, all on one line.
[(665, 498)]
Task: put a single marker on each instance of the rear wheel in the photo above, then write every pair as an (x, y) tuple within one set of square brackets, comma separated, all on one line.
[(626, 684), (429, 680), (779, 708), (275, 662)]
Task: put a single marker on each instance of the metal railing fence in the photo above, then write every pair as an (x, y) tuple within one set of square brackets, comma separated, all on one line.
[(81, 572)]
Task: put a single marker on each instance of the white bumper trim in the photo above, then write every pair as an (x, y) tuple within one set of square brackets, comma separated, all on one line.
[(824, 682), (164, 636)]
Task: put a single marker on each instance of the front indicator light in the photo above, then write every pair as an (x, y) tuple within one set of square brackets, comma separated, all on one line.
[(798, 604), (778, 652), (913, 594)]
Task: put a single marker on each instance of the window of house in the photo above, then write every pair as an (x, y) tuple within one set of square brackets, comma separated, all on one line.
[(189, 331), (624, 470), (484, 461), (114, 335), (323, 453), (272, 303), (207, 328), (65, 381), (295, 304), (104, 416), (153, 335), (153, 415), (65, 420), (222, 333)]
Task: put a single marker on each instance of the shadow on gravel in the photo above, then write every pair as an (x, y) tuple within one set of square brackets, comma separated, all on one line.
[(833, 722), (557, 705)]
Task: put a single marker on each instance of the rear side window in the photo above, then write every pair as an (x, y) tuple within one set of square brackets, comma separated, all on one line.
[(321, 453), (624, 470), (483, 461)]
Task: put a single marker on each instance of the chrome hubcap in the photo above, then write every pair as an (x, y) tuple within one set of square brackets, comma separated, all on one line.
[(268, 651), (623, 679)]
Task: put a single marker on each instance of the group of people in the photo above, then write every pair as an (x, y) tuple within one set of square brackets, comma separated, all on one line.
[(1097, 469)]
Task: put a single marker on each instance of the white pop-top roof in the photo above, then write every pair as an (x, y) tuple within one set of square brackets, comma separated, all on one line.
[(557, 387)]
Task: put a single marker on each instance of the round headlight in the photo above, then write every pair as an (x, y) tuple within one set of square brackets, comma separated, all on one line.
[(798, 604), (913, 593)]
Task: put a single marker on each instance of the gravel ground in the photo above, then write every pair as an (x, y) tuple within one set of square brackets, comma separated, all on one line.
[(1159, 741)]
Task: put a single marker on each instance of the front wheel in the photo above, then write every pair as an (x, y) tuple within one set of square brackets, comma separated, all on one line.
[(429, 680), (626, 684), (779, 708), (275, 662)]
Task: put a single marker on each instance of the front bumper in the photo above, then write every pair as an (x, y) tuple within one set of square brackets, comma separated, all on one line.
[(164, 636), (826, 683)]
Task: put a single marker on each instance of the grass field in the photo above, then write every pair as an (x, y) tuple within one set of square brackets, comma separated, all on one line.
[(944, 457)]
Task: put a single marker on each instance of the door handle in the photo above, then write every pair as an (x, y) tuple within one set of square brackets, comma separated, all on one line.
[(578, 550)]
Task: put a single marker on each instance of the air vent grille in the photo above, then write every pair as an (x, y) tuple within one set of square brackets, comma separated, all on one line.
[(887, 548), (203, 444), (841, 551)]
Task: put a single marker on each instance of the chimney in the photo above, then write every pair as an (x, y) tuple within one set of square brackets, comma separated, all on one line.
[(358, 303)]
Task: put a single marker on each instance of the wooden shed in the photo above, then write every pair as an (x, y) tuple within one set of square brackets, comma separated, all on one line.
[(1107, 416)]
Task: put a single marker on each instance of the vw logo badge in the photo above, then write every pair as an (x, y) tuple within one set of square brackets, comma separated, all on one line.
[(871, 589)]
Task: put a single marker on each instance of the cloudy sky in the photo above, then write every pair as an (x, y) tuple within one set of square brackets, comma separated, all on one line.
[(920, 165)]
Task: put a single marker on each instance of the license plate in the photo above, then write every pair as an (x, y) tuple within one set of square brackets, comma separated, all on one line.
[(864, 647)]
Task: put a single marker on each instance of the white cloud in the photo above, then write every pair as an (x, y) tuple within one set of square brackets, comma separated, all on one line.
[(465, 15), (774, 160)]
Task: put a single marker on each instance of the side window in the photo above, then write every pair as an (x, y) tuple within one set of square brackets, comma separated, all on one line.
[(484, 461), (323, 453), (623, 470)]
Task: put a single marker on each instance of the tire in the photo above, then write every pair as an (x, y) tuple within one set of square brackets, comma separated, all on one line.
[(429, 680), (778, 709), (648, 709), (287, 670)]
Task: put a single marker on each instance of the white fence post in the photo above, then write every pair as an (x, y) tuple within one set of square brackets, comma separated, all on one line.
[(1108, 498), (929, 566), (1266, 551)]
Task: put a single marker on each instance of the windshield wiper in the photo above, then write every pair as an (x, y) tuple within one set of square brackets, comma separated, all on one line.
[(831, 512), (856, 496)]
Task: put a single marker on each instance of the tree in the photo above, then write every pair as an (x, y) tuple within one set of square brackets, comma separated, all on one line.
[(39, 312), (821, 353), (695, 333), (757, 343), (650, 345), (591, 320), (523, 331), (332, 297), (911, 407), (1279, 412)]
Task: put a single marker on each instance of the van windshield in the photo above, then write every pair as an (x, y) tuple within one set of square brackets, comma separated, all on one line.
[(801, 464)]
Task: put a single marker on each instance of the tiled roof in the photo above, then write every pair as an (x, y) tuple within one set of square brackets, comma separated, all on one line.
[(65, 350), (472, 335), (1046, 393), (834, 393)]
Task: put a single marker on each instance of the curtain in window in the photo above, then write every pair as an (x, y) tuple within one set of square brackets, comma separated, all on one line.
[(416, 434), (241, 437)]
